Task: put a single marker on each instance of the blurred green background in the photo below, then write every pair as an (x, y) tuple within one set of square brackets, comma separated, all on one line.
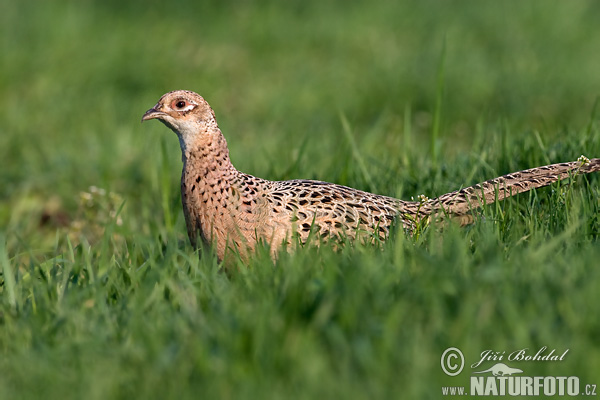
[(436, 95)]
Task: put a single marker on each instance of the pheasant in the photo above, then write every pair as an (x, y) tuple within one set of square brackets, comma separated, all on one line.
[(234, 211)]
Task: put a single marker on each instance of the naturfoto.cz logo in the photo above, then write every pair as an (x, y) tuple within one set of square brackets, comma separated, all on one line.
[(501, 379)]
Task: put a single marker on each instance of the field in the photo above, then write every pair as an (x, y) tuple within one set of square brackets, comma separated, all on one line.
[(101, 295)]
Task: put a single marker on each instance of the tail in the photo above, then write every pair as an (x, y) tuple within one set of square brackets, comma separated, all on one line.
[(482, 372), (461, 202)]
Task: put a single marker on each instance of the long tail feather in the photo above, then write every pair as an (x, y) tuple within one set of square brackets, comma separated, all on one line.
[(459, 203)]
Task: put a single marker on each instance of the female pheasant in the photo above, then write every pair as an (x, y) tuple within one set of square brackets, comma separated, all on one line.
[(234, 211)]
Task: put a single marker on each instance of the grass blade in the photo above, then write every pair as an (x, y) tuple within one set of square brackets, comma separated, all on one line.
[(9, 278)]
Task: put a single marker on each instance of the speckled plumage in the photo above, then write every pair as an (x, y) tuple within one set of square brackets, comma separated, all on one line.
[(234, 211)]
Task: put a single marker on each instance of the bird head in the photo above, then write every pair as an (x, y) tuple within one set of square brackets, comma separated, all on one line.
[(184, 112)]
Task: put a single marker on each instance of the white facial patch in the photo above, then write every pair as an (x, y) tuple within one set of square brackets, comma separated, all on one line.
[(187, 108)]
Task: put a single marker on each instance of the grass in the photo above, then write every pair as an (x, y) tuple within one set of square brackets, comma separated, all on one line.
[(100, 293)]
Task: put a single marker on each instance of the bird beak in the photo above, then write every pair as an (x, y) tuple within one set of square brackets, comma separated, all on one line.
[(152, 114)]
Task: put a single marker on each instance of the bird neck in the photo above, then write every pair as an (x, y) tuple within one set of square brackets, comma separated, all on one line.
[(207, 154)]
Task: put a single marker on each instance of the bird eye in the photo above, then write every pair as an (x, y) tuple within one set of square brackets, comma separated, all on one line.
[(182, 105)]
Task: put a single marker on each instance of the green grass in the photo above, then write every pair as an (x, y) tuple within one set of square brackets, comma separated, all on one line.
[(101, 296)]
